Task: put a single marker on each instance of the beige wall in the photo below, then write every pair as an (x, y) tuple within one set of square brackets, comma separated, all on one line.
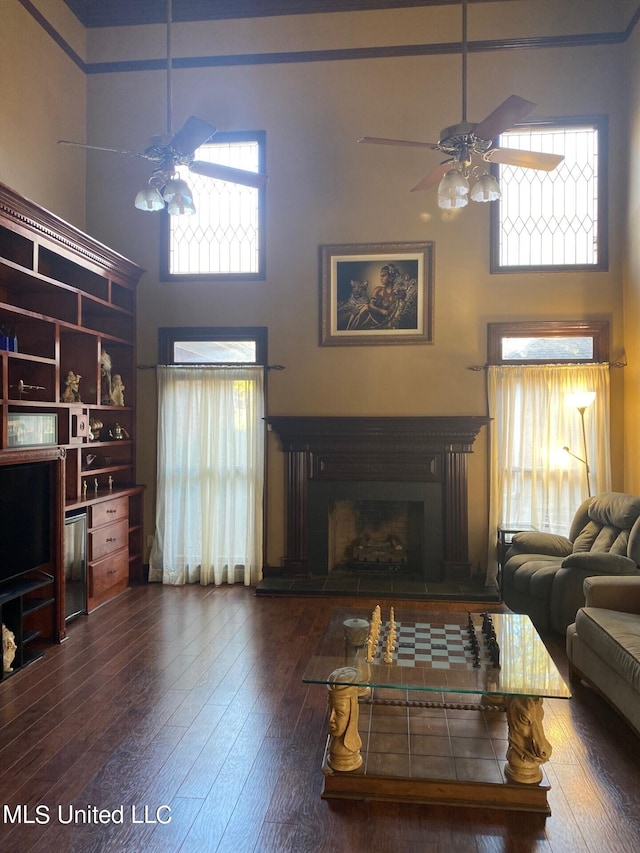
[(324, 188), (42, 99), (631, 274)]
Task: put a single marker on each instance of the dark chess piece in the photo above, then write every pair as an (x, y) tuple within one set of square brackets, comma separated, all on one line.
[(494, 652)]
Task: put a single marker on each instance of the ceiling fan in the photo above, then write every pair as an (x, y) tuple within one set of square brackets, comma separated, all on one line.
[(171, 150), (469, 145)]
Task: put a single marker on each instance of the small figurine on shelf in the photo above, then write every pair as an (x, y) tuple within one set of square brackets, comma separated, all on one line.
[(84, 490), (118, 432), (71, 393), (8, 648), (117, 391), (95, 426), (110, 481), (105, 378), (95, 485)]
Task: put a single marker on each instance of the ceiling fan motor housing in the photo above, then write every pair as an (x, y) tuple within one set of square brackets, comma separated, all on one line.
[(454, 138)]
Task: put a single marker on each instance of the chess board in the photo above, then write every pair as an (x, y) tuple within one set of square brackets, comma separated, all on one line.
[(437, 645)]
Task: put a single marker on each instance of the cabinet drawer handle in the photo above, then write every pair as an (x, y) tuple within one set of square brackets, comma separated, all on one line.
[(111, 539), (110, 511)]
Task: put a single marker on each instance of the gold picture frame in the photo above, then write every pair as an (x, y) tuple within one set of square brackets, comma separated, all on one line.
[(376, 293)]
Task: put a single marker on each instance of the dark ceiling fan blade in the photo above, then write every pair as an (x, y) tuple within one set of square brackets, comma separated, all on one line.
[(193, 133), (228, 173), (526, 159), (377, 140), (511, 111), (100, 148), (434, 177)]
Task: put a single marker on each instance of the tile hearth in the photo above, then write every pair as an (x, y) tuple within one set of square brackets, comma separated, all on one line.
[(368, 585)]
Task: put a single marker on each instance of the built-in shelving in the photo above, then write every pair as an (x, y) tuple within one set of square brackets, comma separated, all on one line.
[(66, 303)]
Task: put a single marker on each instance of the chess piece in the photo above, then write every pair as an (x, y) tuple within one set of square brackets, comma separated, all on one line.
[(84, 491), (356, 634), (344, 743)]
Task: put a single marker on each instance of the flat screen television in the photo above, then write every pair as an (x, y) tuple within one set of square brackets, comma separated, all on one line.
[(26, 492)]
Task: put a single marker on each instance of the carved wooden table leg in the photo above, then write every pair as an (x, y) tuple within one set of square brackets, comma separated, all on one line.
[(345, 742), (528, 746)]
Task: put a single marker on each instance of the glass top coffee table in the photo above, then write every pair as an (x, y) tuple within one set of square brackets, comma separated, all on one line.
[(399, 659)]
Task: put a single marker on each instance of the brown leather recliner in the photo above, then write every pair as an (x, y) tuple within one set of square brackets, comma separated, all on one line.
[(544, 573)]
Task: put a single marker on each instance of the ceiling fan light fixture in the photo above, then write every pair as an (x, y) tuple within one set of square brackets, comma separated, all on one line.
[(453, 184), (453, 190), (177, 187), (179, 198), (149, 199), (486, 188), (452, 202)]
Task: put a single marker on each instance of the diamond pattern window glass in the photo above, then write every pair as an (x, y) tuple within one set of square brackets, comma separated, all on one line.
[(225, 237), (553, 220)]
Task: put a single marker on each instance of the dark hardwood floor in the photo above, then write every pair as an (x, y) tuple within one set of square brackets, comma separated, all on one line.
[(192, 698)]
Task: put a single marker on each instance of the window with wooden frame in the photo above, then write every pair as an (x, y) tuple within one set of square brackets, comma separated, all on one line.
[(238, 345), (548, 342), (553, 221), (226, 237)]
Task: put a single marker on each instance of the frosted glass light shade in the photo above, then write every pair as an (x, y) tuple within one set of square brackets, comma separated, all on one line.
[(453, 190), (149, 199), (179, 198), (486, 188)]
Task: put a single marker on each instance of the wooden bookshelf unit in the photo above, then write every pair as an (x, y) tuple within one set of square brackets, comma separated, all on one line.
[(67, 306)]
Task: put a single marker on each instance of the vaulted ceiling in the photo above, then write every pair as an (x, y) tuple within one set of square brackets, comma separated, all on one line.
[(113, 13)]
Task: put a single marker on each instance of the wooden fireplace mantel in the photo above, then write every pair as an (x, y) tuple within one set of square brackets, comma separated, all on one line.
[(422, 449)]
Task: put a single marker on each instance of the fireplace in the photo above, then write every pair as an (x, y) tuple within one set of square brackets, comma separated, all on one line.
[(381, 536), (347, 478)]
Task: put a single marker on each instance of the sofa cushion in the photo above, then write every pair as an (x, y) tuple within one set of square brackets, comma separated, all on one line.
[(600, 563), (537, 542), (615, 509), (535, 577), (607, 539), (615, 638)]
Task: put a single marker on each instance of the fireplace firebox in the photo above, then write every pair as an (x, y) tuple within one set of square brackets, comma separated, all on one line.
[(368, 471)]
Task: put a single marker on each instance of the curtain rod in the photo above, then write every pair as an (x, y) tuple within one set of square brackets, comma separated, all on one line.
[(479, 367), (209, 364)]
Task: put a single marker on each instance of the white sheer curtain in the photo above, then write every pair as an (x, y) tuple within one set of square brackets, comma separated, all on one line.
[(532, 479), (210, 474)]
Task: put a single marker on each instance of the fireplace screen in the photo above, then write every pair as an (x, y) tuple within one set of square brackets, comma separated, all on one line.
[(375, 536)]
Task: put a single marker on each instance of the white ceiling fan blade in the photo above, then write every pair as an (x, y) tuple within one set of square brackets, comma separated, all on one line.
[(434, 177), (228, 173), (526, 159), (100, 148), (377, 140)]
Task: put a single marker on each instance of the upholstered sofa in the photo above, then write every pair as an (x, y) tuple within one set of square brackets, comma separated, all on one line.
[(603, 644), (544, 573)]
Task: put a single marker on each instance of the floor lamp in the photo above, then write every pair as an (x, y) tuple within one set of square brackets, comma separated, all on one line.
[(582, 400)]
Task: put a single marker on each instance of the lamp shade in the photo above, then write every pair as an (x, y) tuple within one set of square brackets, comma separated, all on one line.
[(149, 199), (581, 399), (486, 188)]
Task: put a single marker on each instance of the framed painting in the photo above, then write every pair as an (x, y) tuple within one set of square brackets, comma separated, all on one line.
[(376, 293)]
